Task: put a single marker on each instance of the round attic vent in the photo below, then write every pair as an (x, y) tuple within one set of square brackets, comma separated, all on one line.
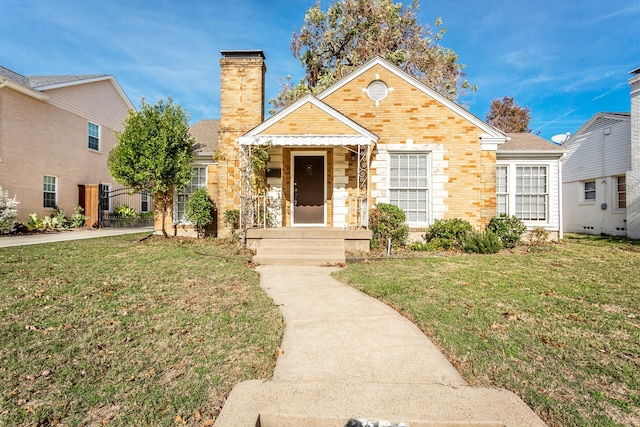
[(377, 90)]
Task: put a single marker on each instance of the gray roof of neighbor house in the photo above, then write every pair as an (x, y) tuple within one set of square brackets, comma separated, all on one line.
[(528, 142), (35, 82), (205, 132)]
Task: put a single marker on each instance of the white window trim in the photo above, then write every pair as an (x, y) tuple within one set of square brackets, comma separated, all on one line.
[(512, 186), (109, 187), (616, 194), (414, 150), (56, 183), (99, 149), (175, 220), (583, 192)]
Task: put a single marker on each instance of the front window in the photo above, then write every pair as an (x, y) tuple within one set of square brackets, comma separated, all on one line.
[(50, 191), (105, 197), (409, 185), (93, 131), (502, 189), (198, 180), (590, 190), (621, 192), (531, 193)]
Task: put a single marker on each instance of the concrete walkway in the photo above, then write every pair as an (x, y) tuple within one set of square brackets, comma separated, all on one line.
[(61, 236), (347, 355)]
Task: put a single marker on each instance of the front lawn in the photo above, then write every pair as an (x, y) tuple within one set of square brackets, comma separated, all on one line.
[(559, 326), (119, 331)]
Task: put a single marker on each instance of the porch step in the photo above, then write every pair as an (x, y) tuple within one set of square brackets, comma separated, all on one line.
[(300, 251)]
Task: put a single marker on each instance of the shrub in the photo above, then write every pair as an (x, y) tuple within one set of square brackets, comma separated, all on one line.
[(508, 228), (8, 212), (232, 219), (78, 219), (486, 242), (61, 218), (387, 221), (125, 211), (199, 209), (35, 223), (538, 236), (448, 233)]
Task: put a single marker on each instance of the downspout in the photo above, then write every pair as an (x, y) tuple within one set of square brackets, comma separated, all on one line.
[(560, 214)]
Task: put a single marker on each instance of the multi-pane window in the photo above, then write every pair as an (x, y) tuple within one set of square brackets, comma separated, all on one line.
[(621, 186), (502, 189), (145, 199), (590, 190), (198, 180), (531, 193), (105, 197), (93, 131), (49, 191), (409, 185)]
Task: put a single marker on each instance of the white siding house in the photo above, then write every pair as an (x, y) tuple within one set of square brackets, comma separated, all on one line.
[(595, 176)]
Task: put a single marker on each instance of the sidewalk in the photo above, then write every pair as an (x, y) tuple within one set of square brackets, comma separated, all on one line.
[(61, 236), (347, 355)]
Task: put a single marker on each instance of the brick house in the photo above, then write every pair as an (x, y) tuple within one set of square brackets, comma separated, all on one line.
[(55, 135), (377, 135)]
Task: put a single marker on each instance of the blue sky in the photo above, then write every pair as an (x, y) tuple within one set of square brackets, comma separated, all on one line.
[(565, 60)]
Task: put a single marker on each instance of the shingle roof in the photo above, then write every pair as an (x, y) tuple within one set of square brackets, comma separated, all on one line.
[(205, 132), (12, 75), (40, 81), (528, 142)]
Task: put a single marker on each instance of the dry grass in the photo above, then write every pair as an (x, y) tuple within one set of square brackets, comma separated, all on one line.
[(119, 331), (558, 325)]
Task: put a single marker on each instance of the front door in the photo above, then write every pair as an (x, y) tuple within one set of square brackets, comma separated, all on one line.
[(308, 190)]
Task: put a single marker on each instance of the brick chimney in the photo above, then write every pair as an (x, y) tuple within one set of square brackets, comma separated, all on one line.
[(633, 177), (241, 109)]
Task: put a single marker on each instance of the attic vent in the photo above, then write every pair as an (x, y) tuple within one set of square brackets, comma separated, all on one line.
[(601, 123), (377, 90)]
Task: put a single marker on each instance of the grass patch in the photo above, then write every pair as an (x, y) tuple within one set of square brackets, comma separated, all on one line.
[(559, 326), (120, 331)]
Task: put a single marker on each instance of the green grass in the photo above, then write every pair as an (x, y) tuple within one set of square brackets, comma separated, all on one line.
[(559, 325), (123, 331)]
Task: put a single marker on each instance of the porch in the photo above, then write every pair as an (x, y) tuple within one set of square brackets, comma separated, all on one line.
[(306, 245)]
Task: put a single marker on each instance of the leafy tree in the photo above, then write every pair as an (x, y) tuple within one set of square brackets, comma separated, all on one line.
[(154, 152), (331, 44), (508, 116), (199, 209)]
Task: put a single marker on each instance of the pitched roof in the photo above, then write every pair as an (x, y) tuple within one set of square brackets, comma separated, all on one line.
[(599, 121), (205, 132), (491, 131), (12, 75), (528, 142), (47, 82)]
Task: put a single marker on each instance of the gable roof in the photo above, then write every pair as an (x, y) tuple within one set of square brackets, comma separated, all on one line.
[(364, 137), (490, 131), (35, 86), (527, 142), (598, 121)]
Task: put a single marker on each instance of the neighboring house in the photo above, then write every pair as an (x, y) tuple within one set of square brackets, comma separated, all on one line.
[(55, 135), (376, 136), (595, 176)]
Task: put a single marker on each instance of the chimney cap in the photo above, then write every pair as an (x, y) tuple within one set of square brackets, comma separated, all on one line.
[(242, 54)]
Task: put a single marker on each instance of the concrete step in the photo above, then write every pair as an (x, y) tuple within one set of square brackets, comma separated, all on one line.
[(288, 251), (288, 404)]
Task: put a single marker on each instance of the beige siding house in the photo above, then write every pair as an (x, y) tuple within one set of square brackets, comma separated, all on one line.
[(55, 135), (376, 136)]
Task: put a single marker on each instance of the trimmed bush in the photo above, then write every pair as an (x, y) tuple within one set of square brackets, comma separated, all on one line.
[(508, 228), (199, 209), (486, 242), (387, 221), (448, 233)]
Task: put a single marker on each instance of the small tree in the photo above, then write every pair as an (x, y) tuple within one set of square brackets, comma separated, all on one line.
[(387, 221), (508, 116), (199, 209), (8, 212), (154, 152)]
